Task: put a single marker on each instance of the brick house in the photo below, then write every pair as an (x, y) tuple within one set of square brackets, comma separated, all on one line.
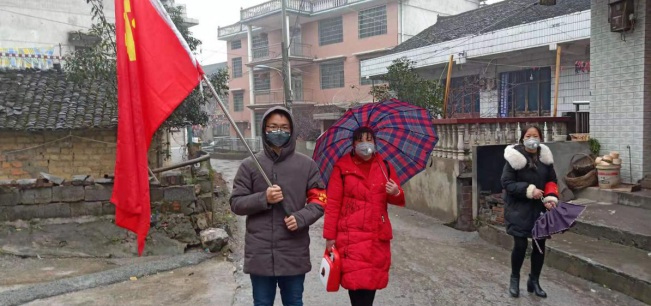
[(48, 124)]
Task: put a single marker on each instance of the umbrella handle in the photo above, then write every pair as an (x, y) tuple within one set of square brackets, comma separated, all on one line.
[(538, 246), (285, 210)]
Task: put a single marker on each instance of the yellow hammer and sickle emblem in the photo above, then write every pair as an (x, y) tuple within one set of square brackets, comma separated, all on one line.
[(128, 35)]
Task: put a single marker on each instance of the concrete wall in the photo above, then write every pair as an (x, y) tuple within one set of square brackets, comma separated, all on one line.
[(435, 191), (620, 81), (45, 23)]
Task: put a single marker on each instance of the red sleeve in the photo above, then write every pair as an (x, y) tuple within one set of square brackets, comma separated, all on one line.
[(335, 195), (398, 200)]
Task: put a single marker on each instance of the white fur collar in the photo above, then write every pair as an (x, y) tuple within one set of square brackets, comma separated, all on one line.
[(518, 161)]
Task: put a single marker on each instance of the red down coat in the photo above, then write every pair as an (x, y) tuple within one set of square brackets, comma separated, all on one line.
[(356, 218)]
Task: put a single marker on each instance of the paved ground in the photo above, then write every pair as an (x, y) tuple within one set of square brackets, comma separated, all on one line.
[(209, 283), (432, 265)]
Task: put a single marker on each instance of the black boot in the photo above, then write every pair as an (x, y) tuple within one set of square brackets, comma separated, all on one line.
[(534, 286), (514, 287)]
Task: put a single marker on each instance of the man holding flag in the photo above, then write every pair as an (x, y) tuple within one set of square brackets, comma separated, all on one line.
[(156, 72)]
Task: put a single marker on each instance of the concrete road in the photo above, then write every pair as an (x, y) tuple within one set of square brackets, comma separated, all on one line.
[(209, 283), (432, 265)]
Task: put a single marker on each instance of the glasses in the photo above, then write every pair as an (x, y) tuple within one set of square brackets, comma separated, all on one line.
[(284, 128)]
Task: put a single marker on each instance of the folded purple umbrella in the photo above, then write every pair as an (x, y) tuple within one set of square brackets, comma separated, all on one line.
[(557, 220)]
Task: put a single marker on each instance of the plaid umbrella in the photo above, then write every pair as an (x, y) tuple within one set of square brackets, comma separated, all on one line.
[(557, 220), (404, 134)]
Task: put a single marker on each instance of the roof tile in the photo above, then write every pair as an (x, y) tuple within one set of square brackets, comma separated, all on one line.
[(33, 100)]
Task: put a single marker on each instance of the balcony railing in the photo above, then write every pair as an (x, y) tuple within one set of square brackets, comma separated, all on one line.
[(295, 6), (231, 29), (277, 96), (304, 7), (458, 136), (322, 5), (275, 51), (273, 6)]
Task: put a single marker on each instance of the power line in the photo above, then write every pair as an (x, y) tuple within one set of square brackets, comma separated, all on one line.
[(46, 19)]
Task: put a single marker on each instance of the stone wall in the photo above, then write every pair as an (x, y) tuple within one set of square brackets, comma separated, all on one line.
[(31, 198), (620, 83), (178, 202)]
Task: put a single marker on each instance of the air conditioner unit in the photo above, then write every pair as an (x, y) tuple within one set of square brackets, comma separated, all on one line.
[(621, 15)]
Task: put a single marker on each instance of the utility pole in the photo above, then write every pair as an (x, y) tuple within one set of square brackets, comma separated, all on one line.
[(285, 51)]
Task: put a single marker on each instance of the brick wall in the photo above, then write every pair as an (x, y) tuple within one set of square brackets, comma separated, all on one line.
[(63, 158), (620, 82), (491, 208)]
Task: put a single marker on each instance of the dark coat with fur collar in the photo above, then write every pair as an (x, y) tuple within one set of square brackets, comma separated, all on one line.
[(520, 179)]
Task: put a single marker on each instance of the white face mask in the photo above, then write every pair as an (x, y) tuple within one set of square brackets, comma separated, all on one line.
[(365, 150), (532, 143)]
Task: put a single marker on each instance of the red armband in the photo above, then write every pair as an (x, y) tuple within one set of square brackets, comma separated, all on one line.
[(551, 192), (318, 196)]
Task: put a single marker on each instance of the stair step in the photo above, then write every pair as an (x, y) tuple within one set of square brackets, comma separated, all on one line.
[(640, 199), (618, 267), (621, 224)]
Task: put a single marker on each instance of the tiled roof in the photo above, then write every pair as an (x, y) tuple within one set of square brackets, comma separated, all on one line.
[(501, 15), (32, 100)]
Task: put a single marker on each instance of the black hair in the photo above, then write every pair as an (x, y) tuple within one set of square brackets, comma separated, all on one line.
[(360, 132), (281, 113), (527, 128)]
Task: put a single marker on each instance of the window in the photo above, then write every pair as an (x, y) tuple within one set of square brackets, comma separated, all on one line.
[(526, 91), (261, 82), (242, 126), (331, 31), (237, 67), (332, 75), (238, 101), (464, 97), (260, 46), (258, 121), (373, 22), (236, 44)]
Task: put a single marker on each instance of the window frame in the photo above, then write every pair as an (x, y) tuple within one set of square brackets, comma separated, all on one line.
[(519, 93), (363, 23), (258, 45), (330, 40), (465, 97), (331, 85), (239, 44), (235, 75), (238, 106), (266, 89)]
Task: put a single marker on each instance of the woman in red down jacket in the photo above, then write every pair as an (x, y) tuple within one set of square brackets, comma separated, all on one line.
[(356, 218)]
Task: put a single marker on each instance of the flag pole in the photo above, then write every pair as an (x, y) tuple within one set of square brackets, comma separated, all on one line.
[(241, 136)]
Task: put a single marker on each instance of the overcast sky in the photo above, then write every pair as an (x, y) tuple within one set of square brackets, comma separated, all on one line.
[(214, 13)]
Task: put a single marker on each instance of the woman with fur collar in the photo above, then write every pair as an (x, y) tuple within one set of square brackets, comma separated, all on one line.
[(529, 169)]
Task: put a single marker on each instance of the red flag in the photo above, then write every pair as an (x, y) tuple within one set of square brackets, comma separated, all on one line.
[(156, 71)]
